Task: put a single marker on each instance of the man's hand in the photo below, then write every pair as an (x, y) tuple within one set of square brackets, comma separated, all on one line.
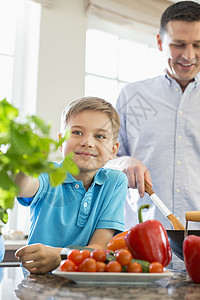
[(137, 174), (135, 170), (38, 258)]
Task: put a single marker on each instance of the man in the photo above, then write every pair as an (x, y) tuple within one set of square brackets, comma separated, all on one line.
[(160, 123)]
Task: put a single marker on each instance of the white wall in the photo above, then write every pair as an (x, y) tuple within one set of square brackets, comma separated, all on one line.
[(61, 68)]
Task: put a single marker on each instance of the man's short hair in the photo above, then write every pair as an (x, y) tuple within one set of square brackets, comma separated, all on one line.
[(188, 11), (92, 104)]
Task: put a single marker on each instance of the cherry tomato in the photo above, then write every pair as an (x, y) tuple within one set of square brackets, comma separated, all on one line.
[(155, 267), (67, 265), (123, 257), (98, 254), (101, 266), (85, 253), (88, 265), (114, 266), (76, 256), (134, 267)]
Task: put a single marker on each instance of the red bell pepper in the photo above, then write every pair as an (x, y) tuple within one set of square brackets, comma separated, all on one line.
[(149, 241), (191, 254)]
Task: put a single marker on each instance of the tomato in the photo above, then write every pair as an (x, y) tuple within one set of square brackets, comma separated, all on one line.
[(134, 267), (98, 254), (155, 267), (85, 253), (123, 256), (88, 265), (114, 266), (101, 266), (76, 256), (67, 265)]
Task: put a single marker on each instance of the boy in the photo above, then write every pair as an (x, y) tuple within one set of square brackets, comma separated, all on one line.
[(85, 209)]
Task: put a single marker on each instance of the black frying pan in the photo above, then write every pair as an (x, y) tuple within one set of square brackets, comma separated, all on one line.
[(176, 237)]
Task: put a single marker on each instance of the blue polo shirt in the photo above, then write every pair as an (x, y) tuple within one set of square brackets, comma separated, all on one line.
[(69, 215)]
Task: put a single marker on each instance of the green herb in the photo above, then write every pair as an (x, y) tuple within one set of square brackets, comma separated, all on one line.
[(25, 146)]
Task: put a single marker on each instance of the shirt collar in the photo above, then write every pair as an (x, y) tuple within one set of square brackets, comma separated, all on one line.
[(197, 80), (99, 178), (171, 80)]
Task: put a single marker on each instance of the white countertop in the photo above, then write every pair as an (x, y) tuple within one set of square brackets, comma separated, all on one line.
[(14, 244)]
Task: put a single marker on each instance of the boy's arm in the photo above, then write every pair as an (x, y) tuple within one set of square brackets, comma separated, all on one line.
[(28, 185), (100, 238), (40, 259)]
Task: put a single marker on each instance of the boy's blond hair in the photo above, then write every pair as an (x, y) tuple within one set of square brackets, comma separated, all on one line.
[(92, 104)]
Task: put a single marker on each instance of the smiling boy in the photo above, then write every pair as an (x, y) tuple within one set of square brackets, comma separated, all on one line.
[(86, 209)]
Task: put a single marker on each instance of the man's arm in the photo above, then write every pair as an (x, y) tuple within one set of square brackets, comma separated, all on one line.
[(136, 172), (28, 185)]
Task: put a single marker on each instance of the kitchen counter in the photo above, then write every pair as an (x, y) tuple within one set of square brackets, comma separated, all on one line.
[(17, 283), (10, 247)]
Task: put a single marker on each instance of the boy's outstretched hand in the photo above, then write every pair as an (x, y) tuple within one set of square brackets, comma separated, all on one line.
[(38, 258)]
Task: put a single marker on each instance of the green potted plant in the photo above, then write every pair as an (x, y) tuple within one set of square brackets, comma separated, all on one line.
[(25, 147)]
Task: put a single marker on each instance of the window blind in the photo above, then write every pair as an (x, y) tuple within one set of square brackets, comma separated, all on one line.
[(126, 12), (46, 3)]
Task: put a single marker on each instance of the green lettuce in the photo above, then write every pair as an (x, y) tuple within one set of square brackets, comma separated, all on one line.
[(25, 147)]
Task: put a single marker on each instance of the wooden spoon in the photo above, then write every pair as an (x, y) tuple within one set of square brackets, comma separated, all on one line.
[(174, 221)]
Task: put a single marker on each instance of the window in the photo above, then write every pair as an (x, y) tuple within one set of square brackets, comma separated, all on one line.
[(8, 21), (112, 62), (19, 46)]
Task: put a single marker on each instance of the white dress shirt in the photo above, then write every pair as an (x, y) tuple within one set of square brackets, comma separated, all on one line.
[(160, 126)]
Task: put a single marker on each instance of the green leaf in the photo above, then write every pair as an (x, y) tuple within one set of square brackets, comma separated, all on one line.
[(63, 139), (45, 129), (25, 147), (5, 182), (57, 177), (7, 111), (7, 198), (3, 215), (21, 141), (69, 164)]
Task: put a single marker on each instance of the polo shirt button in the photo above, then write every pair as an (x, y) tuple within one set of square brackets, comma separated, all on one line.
[(76, 186), (85, 204)]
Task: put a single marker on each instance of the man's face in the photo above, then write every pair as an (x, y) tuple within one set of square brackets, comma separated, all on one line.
[(181, 44)]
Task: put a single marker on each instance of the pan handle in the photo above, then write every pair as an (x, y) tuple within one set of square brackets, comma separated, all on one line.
[(192, 216), (148, 189)]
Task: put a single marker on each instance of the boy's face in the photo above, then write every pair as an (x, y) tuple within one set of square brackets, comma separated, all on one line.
[(181, 44), (91, 140)]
